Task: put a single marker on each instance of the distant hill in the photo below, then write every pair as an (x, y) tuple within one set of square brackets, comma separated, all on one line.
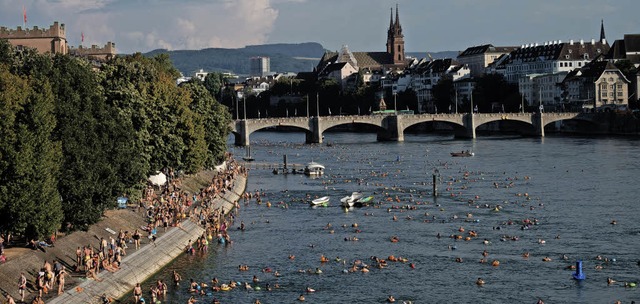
[(285, 57)]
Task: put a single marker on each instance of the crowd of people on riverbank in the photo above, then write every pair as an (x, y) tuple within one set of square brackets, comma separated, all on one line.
[(165, 207), (173, 205)]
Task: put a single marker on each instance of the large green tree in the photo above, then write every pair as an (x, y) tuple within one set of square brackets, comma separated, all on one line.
[(215, 119)]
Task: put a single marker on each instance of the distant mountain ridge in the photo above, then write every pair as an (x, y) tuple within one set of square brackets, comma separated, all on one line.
[(285, 57)]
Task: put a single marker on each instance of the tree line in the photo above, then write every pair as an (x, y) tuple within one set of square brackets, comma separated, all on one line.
[(74, 136)]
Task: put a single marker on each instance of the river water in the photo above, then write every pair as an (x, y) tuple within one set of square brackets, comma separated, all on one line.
[(572, 189)]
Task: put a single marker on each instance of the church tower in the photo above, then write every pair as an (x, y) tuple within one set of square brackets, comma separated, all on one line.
[(395, 39)]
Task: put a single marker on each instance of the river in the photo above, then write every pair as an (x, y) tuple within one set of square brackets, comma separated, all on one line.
[(571, 189)]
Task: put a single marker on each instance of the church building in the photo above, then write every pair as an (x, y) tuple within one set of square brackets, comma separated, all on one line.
[(393, 59)]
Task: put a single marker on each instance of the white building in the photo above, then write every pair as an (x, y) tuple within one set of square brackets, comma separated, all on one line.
[(545, 89), (550, 58)]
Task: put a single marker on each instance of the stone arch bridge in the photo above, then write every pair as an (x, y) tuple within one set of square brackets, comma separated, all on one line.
[(391, 127)]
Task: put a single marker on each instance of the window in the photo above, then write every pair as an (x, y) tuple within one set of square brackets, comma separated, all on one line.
[(619, 87), (611, 87), (619, 94), (398, 48)]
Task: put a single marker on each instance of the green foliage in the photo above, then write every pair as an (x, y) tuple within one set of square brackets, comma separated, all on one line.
[(213, 117), (492, 91), (214, 82), (72, 139), (30, 203)]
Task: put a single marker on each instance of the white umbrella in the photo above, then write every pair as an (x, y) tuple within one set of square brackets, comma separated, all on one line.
[(159, 179)]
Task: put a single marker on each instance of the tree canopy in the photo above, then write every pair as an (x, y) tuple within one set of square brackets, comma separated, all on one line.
[(74, 136)]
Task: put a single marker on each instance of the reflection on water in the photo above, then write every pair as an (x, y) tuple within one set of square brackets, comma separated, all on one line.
[(551, 197)]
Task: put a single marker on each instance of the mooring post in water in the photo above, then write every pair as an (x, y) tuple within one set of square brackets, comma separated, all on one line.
[(436, 175), (284, 159)]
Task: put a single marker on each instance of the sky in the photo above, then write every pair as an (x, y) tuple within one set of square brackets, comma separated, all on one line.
[(428, 25)]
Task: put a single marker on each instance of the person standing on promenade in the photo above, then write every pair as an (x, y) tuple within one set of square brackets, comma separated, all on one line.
[(78, 258), (136, 238), (60, 278), (22, 286)]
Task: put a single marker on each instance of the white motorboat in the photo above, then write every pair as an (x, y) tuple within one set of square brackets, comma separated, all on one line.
[(313, 168), (349, 200), (321, 201)]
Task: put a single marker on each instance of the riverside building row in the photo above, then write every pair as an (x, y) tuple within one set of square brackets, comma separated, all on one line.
[(577, 74)]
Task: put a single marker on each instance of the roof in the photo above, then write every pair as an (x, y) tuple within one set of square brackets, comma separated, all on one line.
[(592, 71), (333, 67), (558, 51), (364, 60), (487, 48)]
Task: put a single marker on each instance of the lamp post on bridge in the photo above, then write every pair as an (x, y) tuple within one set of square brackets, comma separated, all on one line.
[(395, 108), (244, 105), (307, 105), (318, 105), (237, 97), (456, 101)]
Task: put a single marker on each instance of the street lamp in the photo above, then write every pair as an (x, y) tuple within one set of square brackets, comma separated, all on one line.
[(237, 97), (395, 109), (318, 104), (456, 101), (307, 105), (244, 105)]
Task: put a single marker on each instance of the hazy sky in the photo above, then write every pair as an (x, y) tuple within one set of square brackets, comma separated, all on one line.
[(429, 25)]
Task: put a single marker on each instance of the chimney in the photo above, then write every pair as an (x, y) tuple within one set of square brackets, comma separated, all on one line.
[(571, 42), (593, 41), (581, 42)]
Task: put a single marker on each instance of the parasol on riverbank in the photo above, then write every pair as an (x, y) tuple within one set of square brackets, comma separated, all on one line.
[(159, 179)]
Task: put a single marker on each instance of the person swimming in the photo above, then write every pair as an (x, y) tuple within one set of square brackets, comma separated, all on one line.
[(479, 282)]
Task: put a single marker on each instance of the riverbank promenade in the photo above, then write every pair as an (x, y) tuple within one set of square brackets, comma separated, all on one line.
[(135, 267)]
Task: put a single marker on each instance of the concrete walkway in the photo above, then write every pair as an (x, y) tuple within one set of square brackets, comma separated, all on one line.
[(140, 265)]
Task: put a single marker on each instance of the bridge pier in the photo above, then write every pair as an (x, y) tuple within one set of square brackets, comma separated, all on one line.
[(469, 130), (538, 124), (315, 136), (242, 134), (393, 129)]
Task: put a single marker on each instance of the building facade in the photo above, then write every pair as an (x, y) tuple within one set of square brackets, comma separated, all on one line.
[(392, 59), (477, 58), (107, 52), (260, 66), (597, 84), (52, 40)]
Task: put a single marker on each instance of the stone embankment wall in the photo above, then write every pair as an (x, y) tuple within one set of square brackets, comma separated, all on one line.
[(140, 265)]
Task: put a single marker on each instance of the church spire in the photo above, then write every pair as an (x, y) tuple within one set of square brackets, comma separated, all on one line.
[(603, 39), (391, 19), (397, 16)]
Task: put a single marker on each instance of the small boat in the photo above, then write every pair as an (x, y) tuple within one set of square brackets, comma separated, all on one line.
[(349, 200), (322, 201), (363, 201), (462, 154), (313, 168)]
